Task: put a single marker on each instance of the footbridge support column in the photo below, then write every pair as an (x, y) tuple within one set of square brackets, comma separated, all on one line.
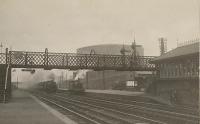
[(5, 88), (5, 80)]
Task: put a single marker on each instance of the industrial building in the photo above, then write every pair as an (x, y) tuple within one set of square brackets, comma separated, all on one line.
[(110, 49), (178, 75), (110, 79)]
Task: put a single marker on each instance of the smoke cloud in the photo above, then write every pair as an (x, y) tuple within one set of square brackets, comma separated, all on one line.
[(31, 80)]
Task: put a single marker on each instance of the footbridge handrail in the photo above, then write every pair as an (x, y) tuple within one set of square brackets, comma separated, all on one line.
[(52, 60)]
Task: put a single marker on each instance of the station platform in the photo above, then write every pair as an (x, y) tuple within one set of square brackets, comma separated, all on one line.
[(131, 93), (27, 109), (117, 92)]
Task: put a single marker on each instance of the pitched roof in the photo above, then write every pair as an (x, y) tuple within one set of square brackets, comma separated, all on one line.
[(179, 51)]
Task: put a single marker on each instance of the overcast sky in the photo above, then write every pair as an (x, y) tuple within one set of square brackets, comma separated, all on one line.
[(65, 25)]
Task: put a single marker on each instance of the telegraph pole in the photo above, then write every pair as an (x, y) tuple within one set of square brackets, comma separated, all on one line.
[(163, 45), (1, 46)]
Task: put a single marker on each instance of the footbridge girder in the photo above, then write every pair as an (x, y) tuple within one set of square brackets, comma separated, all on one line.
[(73, 61)]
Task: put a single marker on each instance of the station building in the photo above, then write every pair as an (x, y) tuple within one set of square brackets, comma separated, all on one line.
[(109, 79), (178, 75)]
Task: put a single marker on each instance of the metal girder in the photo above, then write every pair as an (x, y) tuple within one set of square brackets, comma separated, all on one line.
[(73, 61)]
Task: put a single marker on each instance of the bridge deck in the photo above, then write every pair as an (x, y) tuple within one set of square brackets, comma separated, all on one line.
[(22, 59)]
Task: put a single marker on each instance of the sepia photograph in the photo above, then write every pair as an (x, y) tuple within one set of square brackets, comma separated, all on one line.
[(99, 61)]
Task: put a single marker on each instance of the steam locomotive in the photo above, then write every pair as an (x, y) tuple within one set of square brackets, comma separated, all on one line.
[(76, 87), (48, 86)]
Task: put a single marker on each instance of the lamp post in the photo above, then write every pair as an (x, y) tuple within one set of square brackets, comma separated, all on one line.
[(198, 3), (199, 37), (66, 80), (17, 82)]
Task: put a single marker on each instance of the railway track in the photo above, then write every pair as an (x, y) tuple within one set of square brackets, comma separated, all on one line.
[(134, 100), (159, 107), (65, 109), (142, 101), (154, 114), (104, 111), (95, 114)]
